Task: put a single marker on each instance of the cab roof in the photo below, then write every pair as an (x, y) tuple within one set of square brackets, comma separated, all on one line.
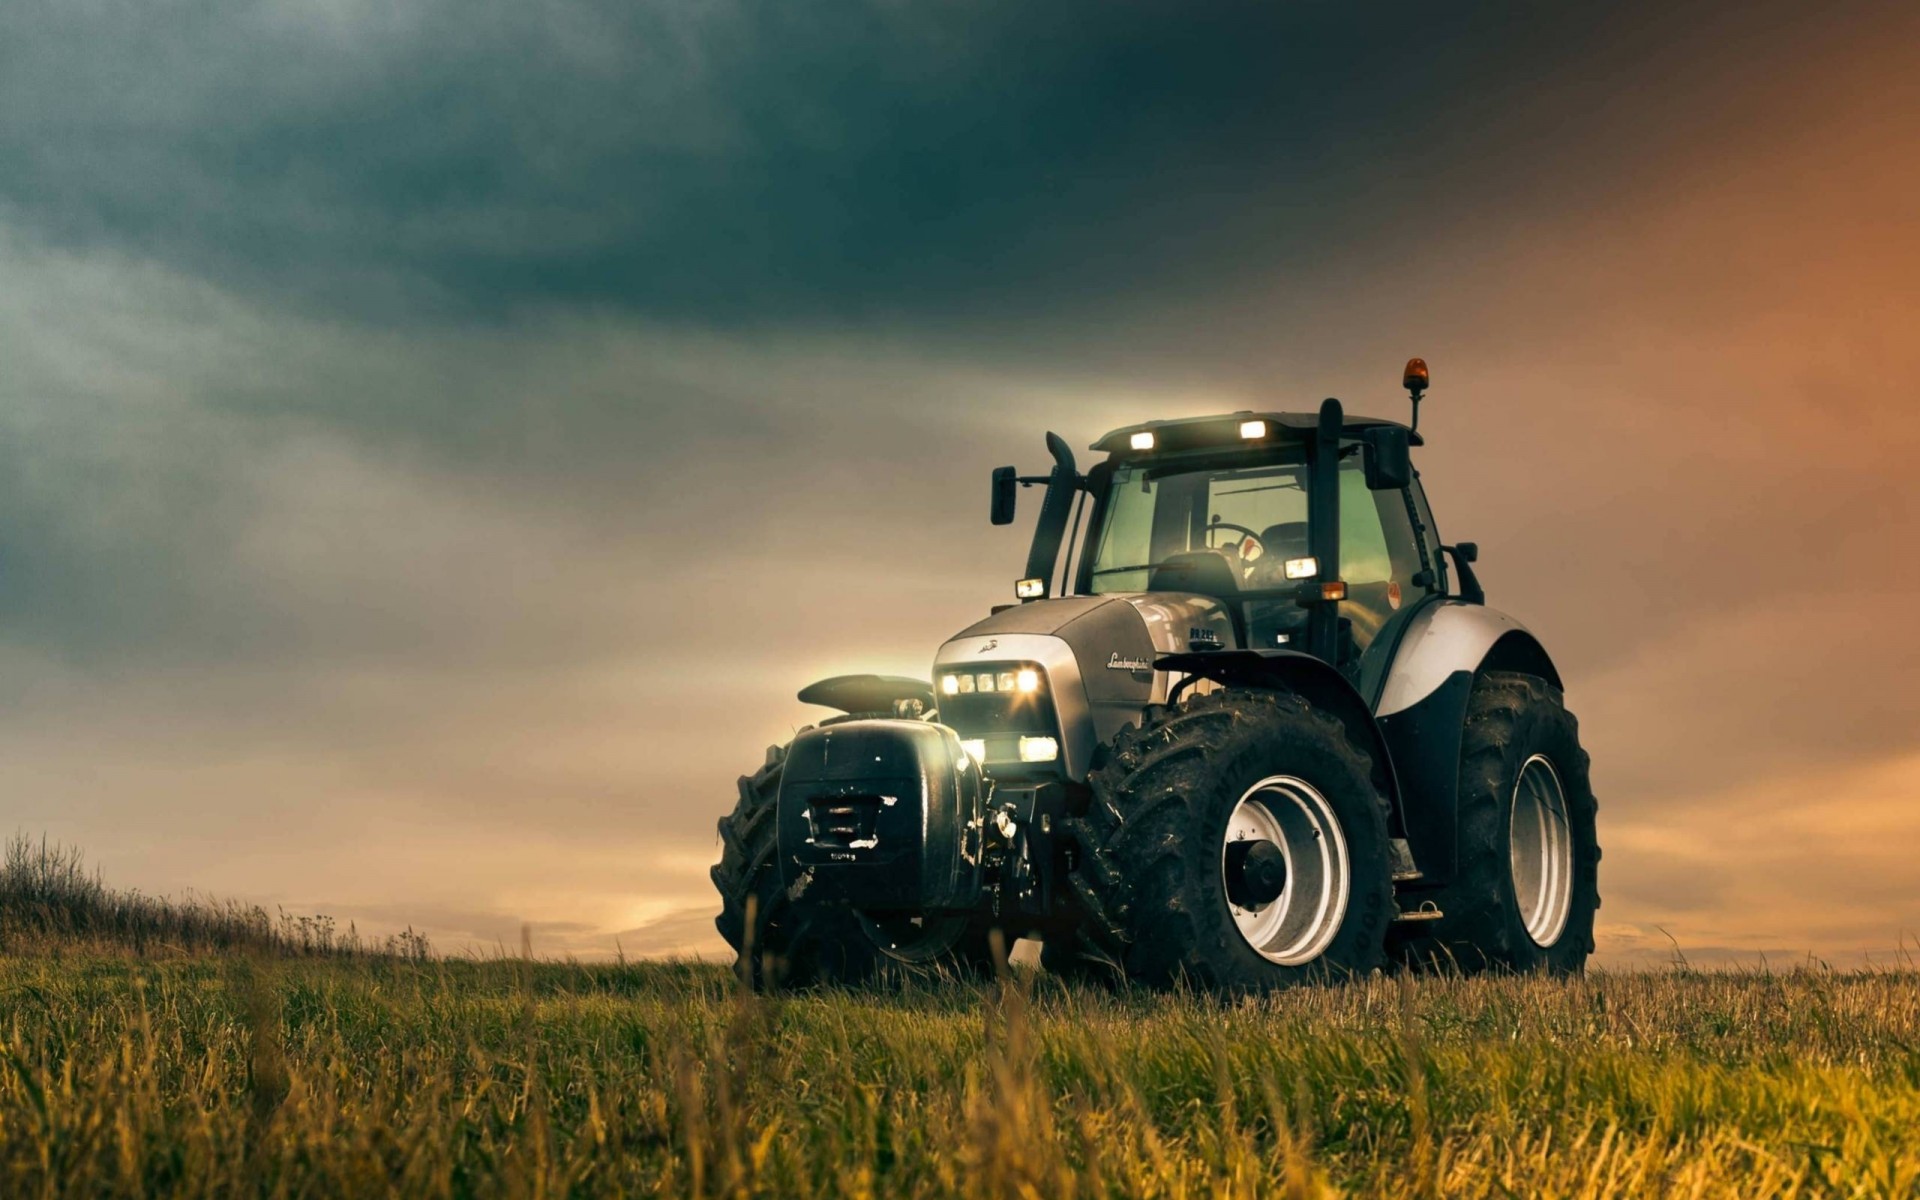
[(1202, 433)]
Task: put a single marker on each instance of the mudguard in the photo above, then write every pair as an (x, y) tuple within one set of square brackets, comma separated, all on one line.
[(1423, 708), (1321, 686), (1449, 636)]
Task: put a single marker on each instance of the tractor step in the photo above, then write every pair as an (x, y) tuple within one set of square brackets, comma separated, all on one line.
[(1428, 911), (1402, 864)]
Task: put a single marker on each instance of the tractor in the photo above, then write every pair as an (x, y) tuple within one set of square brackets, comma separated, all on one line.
[(1256, 727)]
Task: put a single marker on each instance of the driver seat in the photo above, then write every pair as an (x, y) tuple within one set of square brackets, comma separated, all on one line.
[(1278, 543), (1277, 623), (1207, 572)]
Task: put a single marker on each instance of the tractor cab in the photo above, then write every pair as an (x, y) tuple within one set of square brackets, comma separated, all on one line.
[(1310, 529)]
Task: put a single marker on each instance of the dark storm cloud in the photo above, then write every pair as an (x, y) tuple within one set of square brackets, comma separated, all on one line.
[(187, 479), (755, 160)]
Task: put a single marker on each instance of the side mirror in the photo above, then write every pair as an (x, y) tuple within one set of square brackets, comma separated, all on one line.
[(1389, 460), (1006, 486), (1468, 551)]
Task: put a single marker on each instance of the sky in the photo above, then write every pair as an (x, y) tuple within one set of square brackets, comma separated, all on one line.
[(437, 439)]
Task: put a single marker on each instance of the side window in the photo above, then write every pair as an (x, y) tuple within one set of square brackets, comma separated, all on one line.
[(1380, 558), (1126, 543), (1364, 557)]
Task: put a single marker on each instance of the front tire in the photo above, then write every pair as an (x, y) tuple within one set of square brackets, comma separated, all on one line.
[(1159, 862), (1525, 886)]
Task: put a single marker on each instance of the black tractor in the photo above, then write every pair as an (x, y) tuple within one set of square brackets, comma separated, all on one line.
[(1257, 726)]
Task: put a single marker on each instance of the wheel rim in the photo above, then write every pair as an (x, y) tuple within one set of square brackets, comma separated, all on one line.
[(1298, 926), (1540, 851)]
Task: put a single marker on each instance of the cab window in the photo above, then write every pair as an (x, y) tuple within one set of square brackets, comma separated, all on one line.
[(1381, 560)]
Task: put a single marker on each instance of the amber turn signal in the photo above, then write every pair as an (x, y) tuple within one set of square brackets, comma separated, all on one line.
[(1334, 589)]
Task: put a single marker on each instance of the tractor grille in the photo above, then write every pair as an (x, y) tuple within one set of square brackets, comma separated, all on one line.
[(845, 822)]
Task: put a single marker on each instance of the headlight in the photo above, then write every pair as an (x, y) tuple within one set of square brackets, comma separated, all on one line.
[(1039, 749), (1003, 713), (1020, 679)]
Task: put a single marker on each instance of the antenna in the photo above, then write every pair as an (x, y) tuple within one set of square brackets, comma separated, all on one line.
[(1415, 381)]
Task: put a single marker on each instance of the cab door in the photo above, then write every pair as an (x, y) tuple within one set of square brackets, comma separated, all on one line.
[(1387, 558)]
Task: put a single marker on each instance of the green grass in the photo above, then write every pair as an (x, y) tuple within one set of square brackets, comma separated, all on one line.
[(228, 1075), (271, 1071)]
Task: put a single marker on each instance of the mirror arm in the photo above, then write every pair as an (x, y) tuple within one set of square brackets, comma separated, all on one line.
[(1464, 555)]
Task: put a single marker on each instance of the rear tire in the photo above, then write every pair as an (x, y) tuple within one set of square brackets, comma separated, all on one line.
[(778, 941), (1525, 885), (1150, 852)]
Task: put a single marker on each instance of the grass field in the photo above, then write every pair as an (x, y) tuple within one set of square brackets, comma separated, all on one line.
[(270, 1071)]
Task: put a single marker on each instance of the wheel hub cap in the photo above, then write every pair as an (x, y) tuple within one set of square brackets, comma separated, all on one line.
[(1286, 870), (1256, 872)]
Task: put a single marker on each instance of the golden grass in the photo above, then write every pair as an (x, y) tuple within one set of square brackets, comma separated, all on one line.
[(49, 900), (255, 1076)]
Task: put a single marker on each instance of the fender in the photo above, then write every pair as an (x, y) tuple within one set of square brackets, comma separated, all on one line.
[(892, 695), (1306, 676), (1423, 710), (1450, 636)]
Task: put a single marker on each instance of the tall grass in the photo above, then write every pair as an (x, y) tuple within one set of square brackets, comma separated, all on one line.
[(262, 1065), (50, 900), (251, 1076)]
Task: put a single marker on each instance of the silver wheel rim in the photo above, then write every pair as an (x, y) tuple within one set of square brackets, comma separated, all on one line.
[(1540, 851), (1299, 925)]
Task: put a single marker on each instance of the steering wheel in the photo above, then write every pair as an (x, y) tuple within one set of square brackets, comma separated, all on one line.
[(1207, 533)]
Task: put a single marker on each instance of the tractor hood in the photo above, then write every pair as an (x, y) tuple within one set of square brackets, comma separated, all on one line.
[(1169, 622), (1098, 654)]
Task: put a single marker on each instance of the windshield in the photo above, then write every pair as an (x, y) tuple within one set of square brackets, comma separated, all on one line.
[(1257, 515), (1253, 518)]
